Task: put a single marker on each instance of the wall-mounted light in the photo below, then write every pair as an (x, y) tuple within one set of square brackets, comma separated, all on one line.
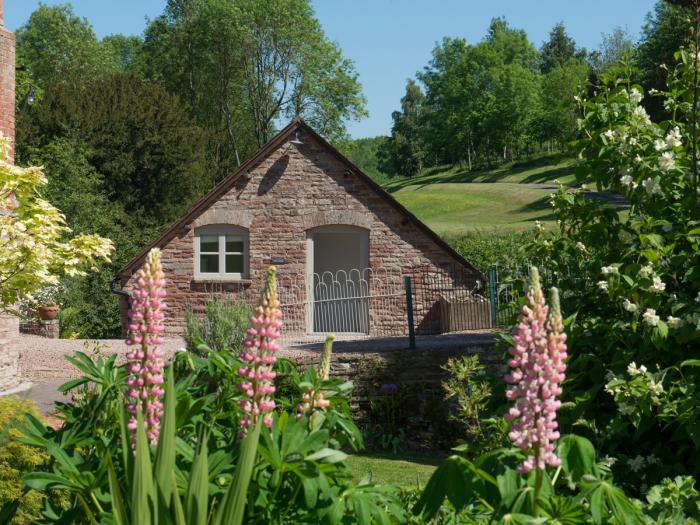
[(296, 139)]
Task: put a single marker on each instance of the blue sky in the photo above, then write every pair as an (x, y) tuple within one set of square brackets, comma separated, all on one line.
[(390, 40)]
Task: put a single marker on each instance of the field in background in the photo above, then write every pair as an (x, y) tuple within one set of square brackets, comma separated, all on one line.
[(454, 201)]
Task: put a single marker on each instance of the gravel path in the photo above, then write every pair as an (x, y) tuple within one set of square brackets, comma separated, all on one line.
[(41, 358)]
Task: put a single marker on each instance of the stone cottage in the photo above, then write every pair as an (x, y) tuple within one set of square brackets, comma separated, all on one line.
[(341, 243)]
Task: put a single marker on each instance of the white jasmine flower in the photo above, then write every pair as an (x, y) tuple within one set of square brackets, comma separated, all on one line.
[(660, 145), (636, 464), (635, 96), (673, 139), (624, 409), (629, 306), (582, 248), (603, 285), (697, 298), (634, 371), (610, 134), (650, 317), (642, 115), (610, 461), (651, 186), (666, 161), (638, 158), (657, 285), (633, 141), (646, 271), (655, 388), (653, 460), (626, 180), (674, 322), (607, 270)]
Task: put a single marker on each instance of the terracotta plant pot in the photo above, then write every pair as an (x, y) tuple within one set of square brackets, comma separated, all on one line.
[(48, 313)]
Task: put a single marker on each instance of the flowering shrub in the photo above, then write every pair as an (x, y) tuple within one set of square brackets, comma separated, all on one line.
[(632, 279), (33, 249)]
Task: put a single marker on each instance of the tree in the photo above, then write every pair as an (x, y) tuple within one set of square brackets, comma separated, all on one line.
[(614, 48), (666, 30), (558, 50), (557, 120), (35, 249), (241, 66), (152, 157), (56, 45), (406, 150)]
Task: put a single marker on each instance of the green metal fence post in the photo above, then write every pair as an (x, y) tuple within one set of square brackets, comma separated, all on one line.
[(409, 314), (492, 296)]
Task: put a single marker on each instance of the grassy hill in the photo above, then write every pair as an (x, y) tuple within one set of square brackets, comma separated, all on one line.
[(454, 201)]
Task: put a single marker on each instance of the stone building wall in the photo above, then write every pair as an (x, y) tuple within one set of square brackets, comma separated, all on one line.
[(9, 372), (298, 187)]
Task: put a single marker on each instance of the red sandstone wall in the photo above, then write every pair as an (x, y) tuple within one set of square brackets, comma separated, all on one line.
[(298, 187), (7, 80)]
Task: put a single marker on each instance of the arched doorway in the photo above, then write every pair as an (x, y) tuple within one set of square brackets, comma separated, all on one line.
[(337, 263)]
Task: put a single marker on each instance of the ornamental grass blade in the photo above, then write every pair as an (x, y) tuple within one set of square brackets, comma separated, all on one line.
[(196, 500), (165, 455), (233, 505), (143, 498)]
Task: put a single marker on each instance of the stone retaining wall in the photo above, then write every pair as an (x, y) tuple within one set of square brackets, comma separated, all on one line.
[(418, 376), (48, 329)]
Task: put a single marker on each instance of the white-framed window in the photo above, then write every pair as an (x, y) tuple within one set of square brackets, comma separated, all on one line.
[(221, 253)]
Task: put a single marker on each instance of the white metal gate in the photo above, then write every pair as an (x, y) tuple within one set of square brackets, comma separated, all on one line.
[(352, 304)]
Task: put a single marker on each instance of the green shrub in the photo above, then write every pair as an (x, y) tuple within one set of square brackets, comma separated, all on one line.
[(222, 327), (488, 248), (17, 459)]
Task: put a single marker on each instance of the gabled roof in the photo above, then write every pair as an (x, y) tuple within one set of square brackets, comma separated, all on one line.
[(278, 140)]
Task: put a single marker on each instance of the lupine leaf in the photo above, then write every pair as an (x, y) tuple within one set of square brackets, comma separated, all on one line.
[(232, 507), (165, 455), (142, 496), (198, 490)]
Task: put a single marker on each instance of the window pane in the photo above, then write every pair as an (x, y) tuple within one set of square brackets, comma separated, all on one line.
[(234, 263), (209, 243), (209, 263), (234, 244)]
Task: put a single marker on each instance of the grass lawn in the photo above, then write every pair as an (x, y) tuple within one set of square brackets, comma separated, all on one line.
[(407, 470), (545, 169), (454, 208)]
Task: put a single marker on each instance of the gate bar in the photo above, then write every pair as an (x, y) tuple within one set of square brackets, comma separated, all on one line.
[(409, 314)]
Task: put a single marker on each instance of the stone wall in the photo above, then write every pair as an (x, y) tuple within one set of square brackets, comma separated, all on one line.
[(298, 187), (418, 376), (9, 354), (48, 329)]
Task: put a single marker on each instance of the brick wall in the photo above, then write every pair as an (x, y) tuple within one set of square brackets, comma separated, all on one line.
[(9, 368), (7, 80), (296, 188)]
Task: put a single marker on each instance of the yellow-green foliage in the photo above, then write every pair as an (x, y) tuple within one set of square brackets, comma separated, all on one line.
[(17, 459)]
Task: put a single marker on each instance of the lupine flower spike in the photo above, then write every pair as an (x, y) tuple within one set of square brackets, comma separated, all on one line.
[(258, 356), (314, 399), (145, 359), (538, 365)]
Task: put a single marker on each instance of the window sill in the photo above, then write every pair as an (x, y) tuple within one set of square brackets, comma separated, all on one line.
[(221, 280)]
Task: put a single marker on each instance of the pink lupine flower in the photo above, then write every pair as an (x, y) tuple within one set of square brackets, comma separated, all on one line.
[(538, 365), (258, 356), (145, 359)]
